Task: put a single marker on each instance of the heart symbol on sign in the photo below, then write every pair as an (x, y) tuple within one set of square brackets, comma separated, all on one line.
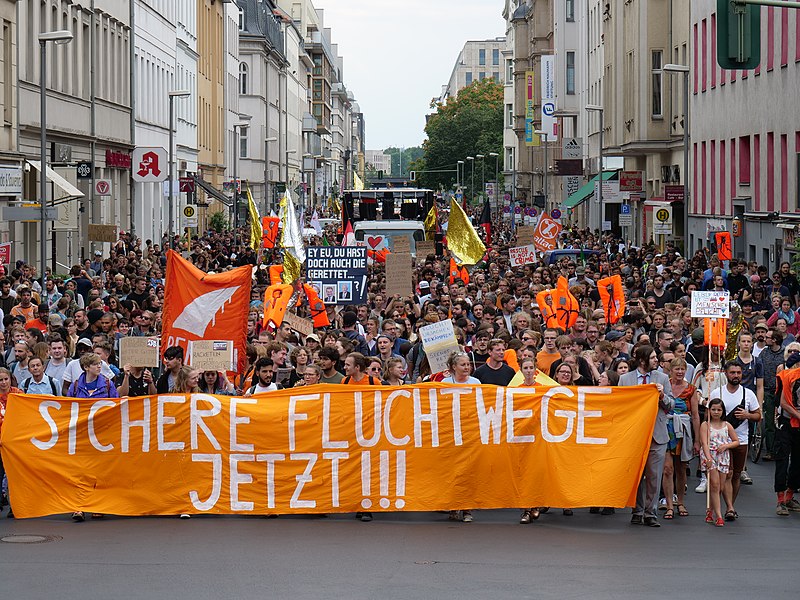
[(374, 242), (102, 187)]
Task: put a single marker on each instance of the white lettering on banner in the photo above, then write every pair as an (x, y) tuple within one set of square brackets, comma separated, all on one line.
[(500, 416)]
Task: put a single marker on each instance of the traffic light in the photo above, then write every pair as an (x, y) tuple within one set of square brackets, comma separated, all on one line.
[(738, 35)]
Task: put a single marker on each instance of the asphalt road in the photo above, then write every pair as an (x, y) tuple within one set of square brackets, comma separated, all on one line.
[(410, 556)]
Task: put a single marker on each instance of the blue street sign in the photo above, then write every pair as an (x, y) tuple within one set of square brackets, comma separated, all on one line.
[(625, 209), (555, 213)]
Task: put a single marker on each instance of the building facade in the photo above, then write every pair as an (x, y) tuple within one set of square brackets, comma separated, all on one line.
[(11, 161), (477, 60)]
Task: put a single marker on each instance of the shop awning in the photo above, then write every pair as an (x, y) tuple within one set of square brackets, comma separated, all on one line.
[(587, 190), (63, 189), (213, 192)]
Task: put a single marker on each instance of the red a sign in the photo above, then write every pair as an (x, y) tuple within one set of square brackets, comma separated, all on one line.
[(5, 253)]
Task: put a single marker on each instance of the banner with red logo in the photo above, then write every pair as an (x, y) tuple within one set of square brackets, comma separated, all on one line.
[(545, 237), (199, 306)]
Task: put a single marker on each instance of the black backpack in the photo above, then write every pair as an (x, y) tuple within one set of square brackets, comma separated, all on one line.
[(27, 384)]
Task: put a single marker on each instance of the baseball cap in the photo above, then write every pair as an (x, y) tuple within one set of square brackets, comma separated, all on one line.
[(762, 326), (698, 335), (424, 285), (98, 253), (312, 336), (613, 336), (84, 342)]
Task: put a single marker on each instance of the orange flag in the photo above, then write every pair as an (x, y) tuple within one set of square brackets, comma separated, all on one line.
[(269, 228), (724, 245), (199, 306)]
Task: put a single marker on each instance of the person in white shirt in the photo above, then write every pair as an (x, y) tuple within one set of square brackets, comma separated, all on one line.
[(58, 359), (264, 368), (741, 407)]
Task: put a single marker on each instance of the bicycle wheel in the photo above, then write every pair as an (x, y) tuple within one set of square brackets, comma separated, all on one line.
[(756, 443)]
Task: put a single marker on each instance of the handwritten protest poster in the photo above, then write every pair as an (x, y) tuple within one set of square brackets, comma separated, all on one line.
[(139, 351), (328, 448), (211, 355), (522, 255), (401, 244), (439, 342), (711, 305), (398, 275)]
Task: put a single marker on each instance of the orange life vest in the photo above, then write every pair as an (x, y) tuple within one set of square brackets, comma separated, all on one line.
[(716, 332), (269, 231), (544, 300), (318, 313), (275, 272), (613, 301), (276, 302), (457, 272)]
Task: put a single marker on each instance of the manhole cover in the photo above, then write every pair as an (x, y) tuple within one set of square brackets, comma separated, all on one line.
[(29, 539)]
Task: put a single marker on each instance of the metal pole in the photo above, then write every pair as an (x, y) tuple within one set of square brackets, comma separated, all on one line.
[(472, 183), (600, 194), (235, 184), (43, 160), (546, 138), (171, 173), (686, 196)]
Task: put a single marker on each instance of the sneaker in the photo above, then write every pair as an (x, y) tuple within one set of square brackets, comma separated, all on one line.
[(78, 516), (745, 478), (793, 505), (702, 486), (781, 510), (467, 517), (366, 517), (453, 516), (525, 518), (662, 504), (185, 516)]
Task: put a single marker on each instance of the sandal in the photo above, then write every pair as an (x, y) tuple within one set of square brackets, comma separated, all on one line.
[(669, 515), (709, 518), (730, 515), (682, 512)]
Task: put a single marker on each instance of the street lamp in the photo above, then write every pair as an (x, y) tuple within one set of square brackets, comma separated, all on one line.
[(673, 68), (172, 95), (59, 37), (483, 171), (267, 169), (459, 173), (496, 183), (599, 109), (236, 126), (472, 180), (347, 154), (543, 134)]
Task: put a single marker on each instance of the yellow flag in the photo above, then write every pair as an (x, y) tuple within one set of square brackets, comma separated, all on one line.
[(294, 251), (462, 239), (358, 184), (430, 223), (255, 222)]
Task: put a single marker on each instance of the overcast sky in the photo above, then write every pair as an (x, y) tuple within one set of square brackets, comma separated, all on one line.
[(399, 53)]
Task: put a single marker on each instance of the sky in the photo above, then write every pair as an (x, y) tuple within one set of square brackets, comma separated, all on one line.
[(399, 53)]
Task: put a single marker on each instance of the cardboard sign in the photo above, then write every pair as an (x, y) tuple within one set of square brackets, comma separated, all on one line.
[(525, 235), (439, 342), (522, 255), (424, 248), (401, 245), (139, 351), (211, 355), (102, 233), (398, 275), (711, 305), (302, 326), (375, 242)]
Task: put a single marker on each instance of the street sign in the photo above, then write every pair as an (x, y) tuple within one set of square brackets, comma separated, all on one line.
[(568, 166), (102, 187), (150, 164), (673, 193), (190, 221), (84, 169), (626, 220), (555, 213), (28, 213), (188, 211), (662, 222), (5, 253), (625, 209)]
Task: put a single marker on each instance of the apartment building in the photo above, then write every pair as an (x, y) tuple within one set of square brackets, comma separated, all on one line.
[(11, 161), (477, 60)]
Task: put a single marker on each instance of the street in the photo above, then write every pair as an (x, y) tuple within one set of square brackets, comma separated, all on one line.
[(409, 556)]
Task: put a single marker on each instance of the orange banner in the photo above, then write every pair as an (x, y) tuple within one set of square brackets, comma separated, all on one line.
[(329, 448), (199, 306)]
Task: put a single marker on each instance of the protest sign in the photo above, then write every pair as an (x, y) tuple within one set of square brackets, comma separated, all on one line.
[(211, 355), (401, 244), (439, 342), (522, 255), (102, 233), (525, 235), (327, 449), (340, 272), (139, 351), (299, 324), (398, 275), (711, 304), (425, 248)]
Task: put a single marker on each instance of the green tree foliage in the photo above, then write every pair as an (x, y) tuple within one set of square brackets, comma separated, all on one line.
[(409, 156), (468, 125), (218, 221)]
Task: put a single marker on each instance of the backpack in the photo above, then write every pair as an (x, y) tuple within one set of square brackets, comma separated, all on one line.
[(74, 386), (27, 384), (372, 380), (359, 341)]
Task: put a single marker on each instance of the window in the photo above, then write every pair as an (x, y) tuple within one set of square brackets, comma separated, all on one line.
[(482, 75), (571, 73), (469, 78), (482, 56), (570, 5), (8, 87), (244, 132), (241, 19), (496, 56), (496, 76), (509, 115), (509, 70), (243, 78), (509, 162), (744, 160), (657, 110)]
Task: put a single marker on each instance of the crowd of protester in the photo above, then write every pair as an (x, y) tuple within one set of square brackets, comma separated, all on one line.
[(64, 340)]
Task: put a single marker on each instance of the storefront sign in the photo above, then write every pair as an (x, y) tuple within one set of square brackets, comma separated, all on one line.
[(10, 181)]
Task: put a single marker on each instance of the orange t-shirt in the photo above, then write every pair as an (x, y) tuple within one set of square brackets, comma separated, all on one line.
[(366, 380), (544, 360)]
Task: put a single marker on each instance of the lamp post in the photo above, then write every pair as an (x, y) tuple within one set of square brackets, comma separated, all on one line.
[(673, 68), (59, 37), (546, 138), (599, 109), (236, 128), (459, 173), (472, 180), (496, 183), (267, 170), (346, 156), (172, 95), (483, 171)]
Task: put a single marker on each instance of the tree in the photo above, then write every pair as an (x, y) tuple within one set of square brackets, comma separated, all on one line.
[(409, 156), (467, 125), (218, 221)]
